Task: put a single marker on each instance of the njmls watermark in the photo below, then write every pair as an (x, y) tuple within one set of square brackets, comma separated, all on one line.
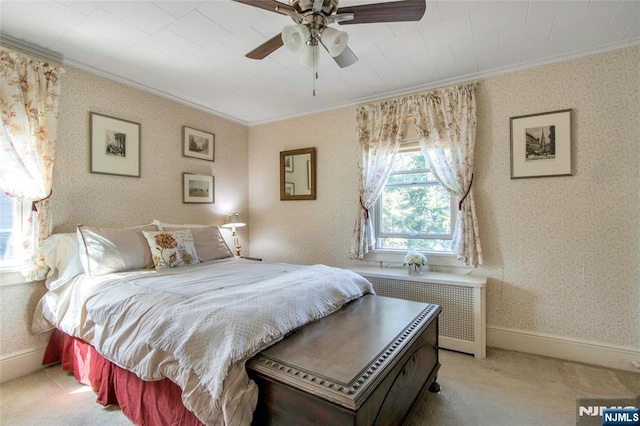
[(608, 411)]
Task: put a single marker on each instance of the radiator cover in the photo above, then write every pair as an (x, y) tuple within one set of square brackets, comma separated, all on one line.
[(462, 323)]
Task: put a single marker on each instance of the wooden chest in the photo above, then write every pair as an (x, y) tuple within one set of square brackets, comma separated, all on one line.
[(362, 365)]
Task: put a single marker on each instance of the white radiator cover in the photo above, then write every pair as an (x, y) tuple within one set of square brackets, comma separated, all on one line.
[(462, 323)]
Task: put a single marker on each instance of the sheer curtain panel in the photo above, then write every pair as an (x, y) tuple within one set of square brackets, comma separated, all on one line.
[(446, 126), (380, 129), (29, 93)]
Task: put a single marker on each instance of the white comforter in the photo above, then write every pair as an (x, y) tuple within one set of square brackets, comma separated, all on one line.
[(198, 325)]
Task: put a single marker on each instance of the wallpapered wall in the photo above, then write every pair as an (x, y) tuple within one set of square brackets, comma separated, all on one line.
[(307, 231), (105, 200), (561, 253), (81, 197)]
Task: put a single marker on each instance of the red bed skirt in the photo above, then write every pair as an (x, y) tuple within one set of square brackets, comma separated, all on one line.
[(144, 403)]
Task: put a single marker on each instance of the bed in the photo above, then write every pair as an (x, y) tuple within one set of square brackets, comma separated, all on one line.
[(162, 320)]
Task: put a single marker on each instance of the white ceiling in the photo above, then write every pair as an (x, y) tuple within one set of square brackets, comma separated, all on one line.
[(193, 51)]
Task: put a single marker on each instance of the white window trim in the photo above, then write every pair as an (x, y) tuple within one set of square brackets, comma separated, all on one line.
[(10, 271), (439, 258), (454, 216), (378, 213), (11, 277)]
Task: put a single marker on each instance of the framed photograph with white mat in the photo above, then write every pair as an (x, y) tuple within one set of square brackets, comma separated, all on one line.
[(198, 144), (541, 145), (197, 188), (114, 145)]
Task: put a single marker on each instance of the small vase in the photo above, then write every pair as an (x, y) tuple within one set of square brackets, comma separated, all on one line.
[(415, 270)]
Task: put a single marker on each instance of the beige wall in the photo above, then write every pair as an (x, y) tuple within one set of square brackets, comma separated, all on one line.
[(307, 231), (561, 253), (80, 197), (83, 197)]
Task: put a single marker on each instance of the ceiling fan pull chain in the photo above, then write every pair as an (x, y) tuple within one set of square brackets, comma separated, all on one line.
[(314, 76), (314, 81)]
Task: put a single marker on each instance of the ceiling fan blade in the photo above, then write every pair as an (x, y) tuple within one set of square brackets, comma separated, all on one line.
[(266, 48), (317, 5), (339, 18), (397, 11), (346, 58), (271, 5)]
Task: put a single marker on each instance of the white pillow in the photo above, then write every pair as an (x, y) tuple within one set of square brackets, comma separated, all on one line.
[(109, 250), (60, 253), (208, 242), (171, 249)]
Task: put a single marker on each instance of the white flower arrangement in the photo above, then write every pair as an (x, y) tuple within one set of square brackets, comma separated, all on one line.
[(415, 260)]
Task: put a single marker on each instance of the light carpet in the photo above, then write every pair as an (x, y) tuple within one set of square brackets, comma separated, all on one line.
[(506, 388)]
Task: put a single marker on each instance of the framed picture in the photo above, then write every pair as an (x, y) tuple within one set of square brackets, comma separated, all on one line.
[(114, 146), (541, 145), (288, 163), (289, 188), (198, 144), (197, 188)]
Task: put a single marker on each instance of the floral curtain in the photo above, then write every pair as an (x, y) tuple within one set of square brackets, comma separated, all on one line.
[(380, 128), (446, 125), (29, 94)]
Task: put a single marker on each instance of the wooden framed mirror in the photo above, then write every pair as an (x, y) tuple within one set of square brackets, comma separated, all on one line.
[(298, 174)]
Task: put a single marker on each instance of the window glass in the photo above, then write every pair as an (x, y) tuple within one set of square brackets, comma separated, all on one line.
[(414, 210), (12, 219), (7, 214)]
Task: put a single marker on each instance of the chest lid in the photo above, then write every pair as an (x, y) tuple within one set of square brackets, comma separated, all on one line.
[(343, 356)]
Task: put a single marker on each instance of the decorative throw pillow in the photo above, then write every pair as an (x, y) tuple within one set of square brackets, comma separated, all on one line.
[(171, 249)]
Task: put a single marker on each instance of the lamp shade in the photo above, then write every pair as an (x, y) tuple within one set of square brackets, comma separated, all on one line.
[(295, 37), (233, 220), (335, 41), (308, 56)]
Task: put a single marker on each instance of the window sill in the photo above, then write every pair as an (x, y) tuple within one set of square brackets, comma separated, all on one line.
[(395, 256), (431, 277), (10, 276)]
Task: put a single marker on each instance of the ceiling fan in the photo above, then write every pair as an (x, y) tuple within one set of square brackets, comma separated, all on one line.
[(312, 18)]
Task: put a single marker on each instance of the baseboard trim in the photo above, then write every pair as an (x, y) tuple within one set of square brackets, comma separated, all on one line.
[(462, 346), (611, 356), (21, 363)]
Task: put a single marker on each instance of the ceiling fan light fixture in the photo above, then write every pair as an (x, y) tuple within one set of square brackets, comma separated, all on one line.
[(295, 37), (308, 57), (335, 41)]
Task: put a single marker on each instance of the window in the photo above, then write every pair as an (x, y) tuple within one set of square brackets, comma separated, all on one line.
[(11, 222), (414, 210)]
